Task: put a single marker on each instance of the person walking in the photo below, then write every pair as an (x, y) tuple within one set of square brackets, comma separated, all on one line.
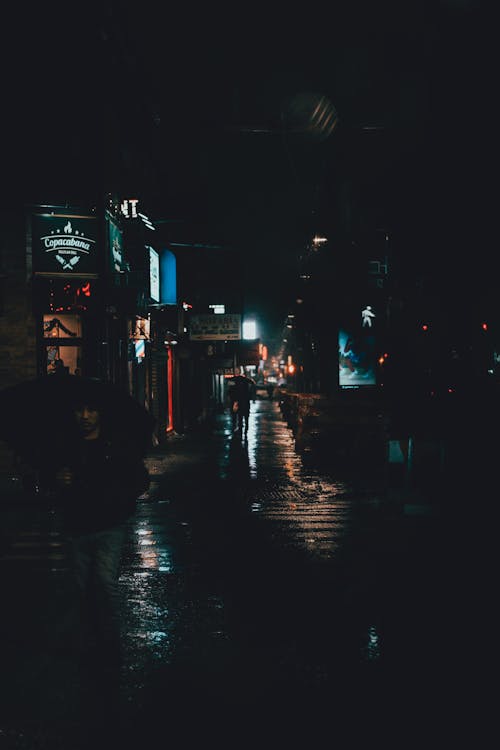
[(240, 393)]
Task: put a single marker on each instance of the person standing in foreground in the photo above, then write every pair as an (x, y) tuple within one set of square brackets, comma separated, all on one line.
[(98, 485)]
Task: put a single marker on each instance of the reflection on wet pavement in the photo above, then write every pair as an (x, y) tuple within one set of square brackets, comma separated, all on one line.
[(259, 504), (251, 578)]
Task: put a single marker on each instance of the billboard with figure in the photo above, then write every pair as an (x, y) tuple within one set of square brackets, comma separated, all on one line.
[(357, 352)]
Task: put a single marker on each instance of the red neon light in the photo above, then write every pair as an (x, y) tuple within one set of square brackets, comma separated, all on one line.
[(170, 390), (84, 289)]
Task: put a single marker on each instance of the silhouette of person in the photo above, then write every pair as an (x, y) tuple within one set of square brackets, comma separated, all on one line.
[(60, 368), (239, 463), (98, 481), (240, 391)]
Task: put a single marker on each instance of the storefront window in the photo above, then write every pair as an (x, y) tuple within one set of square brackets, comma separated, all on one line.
[(62, 326), (61, 356), (64, 360), (139, 328)]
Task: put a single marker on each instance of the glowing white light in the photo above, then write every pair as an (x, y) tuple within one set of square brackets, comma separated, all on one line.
[(218, 309), (249, 329)]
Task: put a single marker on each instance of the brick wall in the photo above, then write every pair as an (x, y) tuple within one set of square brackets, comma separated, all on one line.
[(17, 323)]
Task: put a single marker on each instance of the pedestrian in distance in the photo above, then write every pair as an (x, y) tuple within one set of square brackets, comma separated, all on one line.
[(240, 393)]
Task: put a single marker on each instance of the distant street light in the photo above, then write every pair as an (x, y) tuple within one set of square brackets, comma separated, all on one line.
[(319, 240)]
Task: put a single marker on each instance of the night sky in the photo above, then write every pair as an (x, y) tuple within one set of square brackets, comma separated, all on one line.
[(202, 112)]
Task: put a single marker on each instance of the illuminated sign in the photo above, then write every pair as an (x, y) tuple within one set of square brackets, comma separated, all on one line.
[(128, 208), (154, 274), (249, 329), (215, 327), (357, 358), (367, 317), (64, 244), (140, 349), (357, 346), (115, 239), (140, 328)]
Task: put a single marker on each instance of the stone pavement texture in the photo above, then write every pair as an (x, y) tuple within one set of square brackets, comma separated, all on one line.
[(265, 602)]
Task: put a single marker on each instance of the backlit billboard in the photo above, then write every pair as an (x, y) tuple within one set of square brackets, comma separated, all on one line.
[(357, 353)]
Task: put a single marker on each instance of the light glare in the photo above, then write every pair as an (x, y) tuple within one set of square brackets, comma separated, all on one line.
[(249, 329)]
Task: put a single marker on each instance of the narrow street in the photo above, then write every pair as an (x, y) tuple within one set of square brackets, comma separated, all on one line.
[(259, 594), (295, 210)]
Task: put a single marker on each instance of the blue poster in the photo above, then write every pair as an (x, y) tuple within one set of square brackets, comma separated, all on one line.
[(357, 352)]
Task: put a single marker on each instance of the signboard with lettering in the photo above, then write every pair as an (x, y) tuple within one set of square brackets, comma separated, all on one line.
[(65, 244), (116, 253), (215, 327), (128, 208)]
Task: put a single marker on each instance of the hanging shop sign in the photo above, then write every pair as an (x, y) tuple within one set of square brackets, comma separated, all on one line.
[(154, 274), (128, 207), (139, 328), (65, 244), (215, 327), (115, 242)]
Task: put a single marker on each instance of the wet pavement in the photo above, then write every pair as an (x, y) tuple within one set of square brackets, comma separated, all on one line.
[(265, 600)]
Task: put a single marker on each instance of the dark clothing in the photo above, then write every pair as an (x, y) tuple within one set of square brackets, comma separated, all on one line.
[(241, 419), (95, 613), (107, 485), (240, 390), (107, 482)]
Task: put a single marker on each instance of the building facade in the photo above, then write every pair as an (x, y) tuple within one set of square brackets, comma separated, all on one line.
[(101, 292)]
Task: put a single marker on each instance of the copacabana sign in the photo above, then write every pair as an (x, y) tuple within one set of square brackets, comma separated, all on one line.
[(64, 244)]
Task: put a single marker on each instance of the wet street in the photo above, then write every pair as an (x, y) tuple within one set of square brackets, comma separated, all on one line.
[(264, 600)]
